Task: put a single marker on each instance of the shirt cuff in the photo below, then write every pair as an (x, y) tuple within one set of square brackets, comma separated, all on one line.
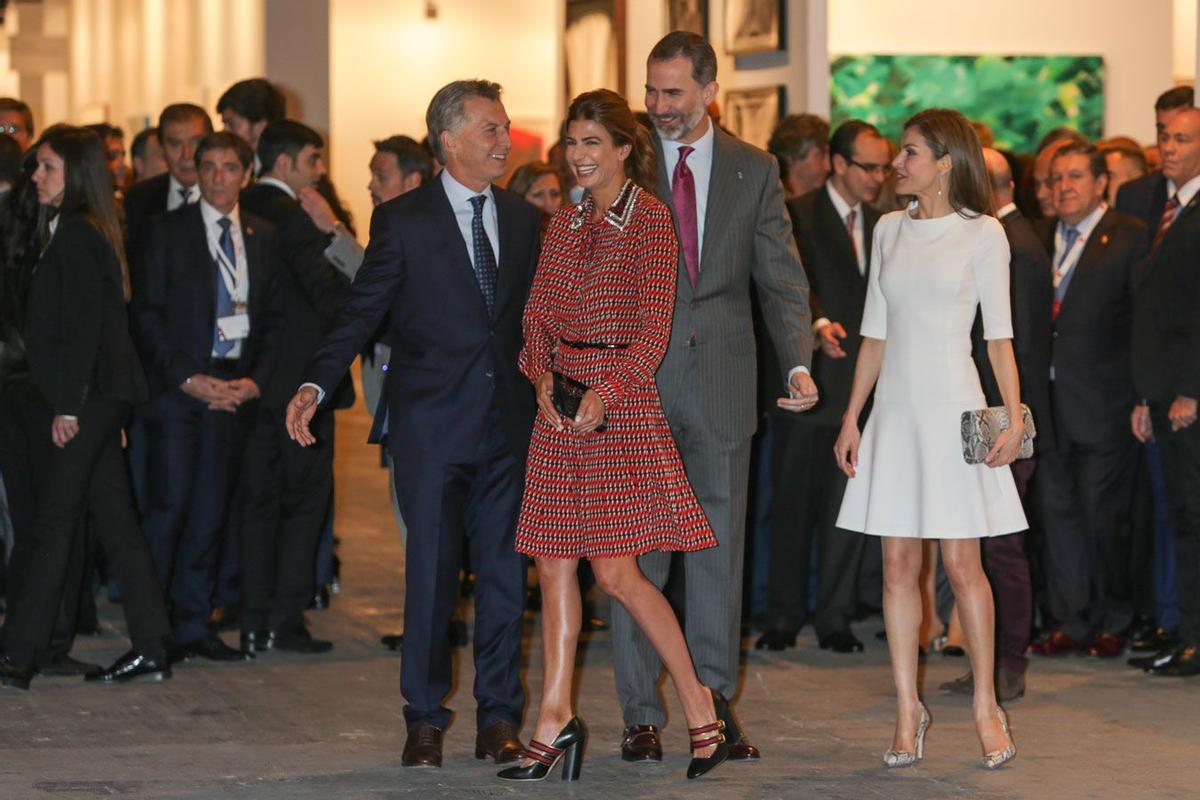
[(320, 391), (791, 372), (821, 323), (71, 417)]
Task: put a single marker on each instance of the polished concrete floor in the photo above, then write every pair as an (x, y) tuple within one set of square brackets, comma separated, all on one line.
[(331, 727)]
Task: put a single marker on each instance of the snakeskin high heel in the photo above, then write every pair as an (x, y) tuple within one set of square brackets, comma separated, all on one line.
[(906, 758), (998, 758)]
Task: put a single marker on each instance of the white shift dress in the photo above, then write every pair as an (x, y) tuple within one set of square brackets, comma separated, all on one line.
[(911, 479)]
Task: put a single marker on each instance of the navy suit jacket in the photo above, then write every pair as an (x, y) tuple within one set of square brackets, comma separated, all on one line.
[(450, 360), (1144, 198), (1093, 384), (174, 305)]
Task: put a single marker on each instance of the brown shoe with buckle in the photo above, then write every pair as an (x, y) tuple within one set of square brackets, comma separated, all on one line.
[(423, 748), (641, 743), (498, 742)]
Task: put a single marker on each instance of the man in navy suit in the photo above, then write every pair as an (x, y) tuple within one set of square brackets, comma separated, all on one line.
[(450, 263), (206, 323)]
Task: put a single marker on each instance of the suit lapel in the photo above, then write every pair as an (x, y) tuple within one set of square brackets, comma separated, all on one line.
[(830, 222), (254, 263), (509, 271), (1093, 253), (721, 195), (205, 270)]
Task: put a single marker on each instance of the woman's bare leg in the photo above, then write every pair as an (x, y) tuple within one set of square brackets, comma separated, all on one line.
[(560, 638), (902, 613)]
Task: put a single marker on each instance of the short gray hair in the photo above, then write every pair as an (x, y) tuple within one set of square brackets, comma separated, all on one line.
[(446, 112)]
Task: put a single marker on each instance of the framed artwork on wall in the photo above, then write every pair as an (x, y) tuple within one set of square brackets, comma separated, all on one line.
[(751, 114), (688, 15), (594, 41), (1019, 97), (753, 26)]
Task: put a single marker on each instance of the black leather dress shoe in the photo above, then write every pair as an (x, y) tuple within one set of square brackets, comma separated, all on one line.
[(423, 748), (257, 641), (498, 742), (776, 639), (742, 750), (14, 677), (66, 667), (841, 642), (1185, 663), (641, 743), (1151, 662), (299, 640), (392, 641), (130, 667), (212, 648), (1152, 640)]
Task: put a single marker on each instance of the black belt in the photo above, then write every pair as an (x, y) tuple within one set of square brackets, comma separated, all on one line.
[(593, 345)]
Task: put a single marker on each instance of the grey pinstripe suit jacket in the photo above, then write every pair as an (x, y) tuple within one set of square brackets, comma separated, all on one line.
[(747, 237)]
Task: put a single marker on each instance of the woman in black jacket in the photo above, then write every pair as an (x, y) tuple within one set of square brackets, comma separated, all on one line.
[(84, 368)]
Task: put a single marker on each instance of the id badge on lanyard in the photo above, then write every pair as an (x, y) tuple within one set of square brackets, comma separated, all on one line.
[(236, 326)]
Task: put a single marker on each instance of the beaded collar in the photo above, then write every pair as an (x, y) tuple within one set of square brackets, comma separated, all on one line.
[(618, 214)]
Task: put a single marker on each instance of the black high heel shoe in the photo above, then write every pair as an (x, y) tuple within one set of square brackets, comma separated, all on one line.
[(567, 746), (720, 733)]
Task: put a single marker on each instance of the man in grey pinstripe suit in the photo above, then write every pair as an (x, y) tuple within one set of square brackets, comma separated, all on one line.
[(733, 229)]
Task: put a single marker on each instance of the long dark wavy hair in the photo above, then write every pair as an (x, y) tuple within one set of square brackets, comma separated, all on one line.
[(87, 190), (947, 131), (610, 110)]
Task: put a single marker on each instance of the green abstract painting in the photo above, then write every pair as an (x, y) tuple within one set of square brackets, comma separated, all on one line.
[(1019, 97)]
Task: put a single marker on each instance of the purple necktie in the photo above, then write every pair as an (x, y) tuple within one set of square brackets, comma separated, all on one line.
[(683, 194)]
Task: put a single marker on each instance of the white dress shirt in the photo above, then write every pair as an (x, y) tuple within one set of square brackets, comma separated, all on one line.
[(460, 201), (1004, 210), (1184, 193), (175, 197), (699, 161), (237, 280)]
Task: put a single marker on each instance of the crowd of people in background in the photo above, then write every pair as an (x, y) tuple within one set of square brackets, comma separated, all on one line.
[(183, 491)]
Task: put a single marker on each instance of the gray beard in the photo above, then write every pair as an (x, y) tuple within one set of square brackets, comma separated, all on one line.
[(689, 123)]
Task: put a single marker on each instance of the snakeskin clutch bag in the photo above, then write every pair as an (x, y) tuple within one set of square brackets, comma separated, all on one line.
[(981, 428)]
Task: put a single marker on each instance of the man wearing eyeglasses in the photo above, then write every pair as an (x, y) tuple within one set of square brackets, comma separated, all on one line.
[(833, 226)]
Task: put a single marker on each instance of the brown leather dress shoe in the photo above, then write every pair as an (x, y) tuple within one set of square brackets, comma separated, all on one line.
[(641, 743), (423, 748), (1056, 644), (1107, 645), (498, 742), (742, 750)]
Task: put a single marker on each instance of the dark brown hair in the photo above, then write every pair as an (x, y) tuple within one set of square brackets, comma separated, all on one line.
[(182, 112), (609, 109), (87, 187), (526, 175), (1096, 163), (225, 140), (947, 132), (692, 46)]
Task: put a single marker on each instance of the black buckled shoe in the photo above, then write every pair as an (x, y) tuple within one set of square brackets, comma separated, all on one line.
[(716, 734), (566, 747), (130, 667)]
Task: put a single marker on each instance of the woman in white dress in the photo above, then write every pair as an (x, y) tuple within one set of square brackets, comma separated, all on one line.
[(938, 261)]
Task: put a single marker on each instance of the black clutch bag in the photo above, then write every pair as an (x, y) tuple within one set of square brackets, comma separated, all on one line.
[(566, 396)]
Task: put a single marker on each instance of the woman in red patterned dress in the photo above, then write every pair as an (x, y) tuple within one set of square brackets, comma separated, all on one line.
[(607, 484)]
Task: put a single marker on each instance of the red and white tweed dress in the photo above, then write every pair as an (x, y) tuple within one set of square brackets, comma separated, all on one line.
[(621, 491)]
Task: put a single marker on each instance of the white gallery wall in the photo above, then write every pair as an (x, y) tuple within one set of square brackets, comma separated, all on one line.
[(1136, 40)]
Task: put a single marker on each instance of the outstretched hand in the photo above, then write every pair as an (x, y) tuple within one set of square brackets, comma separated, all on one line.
[(300, 412)]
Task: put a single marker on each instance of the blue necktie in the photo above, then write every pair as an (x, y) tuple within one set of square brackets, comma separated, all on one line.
[(224, 299), (485, 258), (1070, 235)]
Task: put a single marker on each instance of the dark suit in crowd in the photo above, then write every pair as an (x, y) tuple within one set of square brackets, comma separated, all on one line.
[(1004, 559), (194, 451), (457, 417), (1155, 585), (84, 365), (1166, 365), (288, 488), (809, 484), (1085, 483)]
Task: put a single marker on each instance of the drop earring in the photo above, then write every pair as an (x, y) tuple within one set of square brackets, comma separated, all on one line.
[(940, 184)]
